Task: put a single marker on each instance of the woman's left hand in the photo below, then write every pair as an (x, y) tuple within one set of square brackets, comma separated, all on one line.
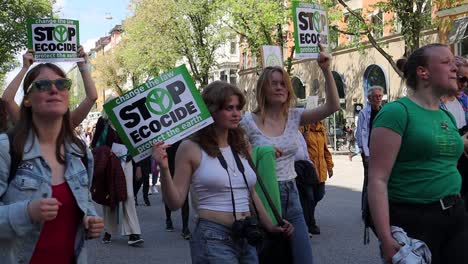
[(94, 225), (82, 54), (324, 59), (287, 229)]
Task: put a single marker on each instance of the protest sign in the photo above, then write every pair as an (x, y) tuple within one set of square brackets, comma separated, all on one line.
[(54, 39), (272, 56), (167, 108), (310, 28)]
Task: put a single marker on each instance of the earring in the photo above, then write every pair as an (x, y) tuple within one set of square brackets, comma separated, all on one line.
[(26, 101)]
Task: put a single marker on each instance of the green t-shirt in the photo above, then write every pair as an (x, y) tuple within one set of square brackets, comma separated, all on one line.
[(425, 168)]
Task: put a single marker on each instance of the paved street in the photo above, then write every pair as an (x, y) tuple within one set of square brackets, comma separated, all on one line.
[(338, 216)]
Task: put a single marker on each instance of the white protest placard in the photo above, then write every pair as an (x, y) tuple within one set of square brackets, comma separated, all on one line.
[(310, 28), (54, 40), (167, 108), (272, 56)]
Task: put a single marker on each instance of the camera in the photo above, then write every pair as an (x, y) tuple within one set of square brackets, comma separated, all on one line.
[(248, 228)]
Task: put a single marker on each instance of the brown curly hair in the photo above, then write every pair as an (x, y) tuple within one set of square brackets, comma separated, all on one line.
[(216, 95)]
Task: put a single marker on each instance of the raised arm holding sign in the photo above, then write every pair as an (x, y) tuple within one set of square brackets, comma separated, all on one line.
[(77, 115)]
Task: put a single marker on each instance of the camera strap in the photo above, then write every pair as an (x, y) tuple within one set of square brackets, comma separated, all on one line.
[(241, 168), (223, 163)]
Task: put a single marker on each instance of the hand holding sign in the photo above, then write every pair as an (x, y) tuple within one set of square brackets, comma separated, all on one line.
[(324, 59), (82, 54), (159, 154), (28, 59)]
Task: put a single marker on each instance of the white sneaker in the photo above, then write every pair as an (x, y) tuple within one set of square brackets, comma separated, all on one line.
[(154, 189)]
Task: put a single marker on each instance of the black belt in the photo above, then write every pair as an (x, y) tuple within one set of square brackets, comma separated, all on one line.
[(449, 201), (444, 203)]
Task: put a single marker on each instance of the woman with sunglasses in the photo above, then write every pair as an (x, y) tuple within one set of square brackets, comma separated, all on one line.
[(224, 193), (77, 115), (45, 207)]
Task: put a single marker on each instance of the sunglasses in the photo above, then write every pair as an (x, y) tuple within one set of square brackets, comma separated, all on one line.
[(463, 79), (46, 85)]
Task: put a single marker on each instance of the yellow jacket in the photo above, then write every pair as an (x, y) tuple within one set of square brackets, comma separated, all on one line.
[(316, 139)]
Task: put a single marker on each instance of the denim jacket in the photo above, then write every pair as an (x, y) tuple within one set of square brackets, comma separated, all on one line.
[(18, 233)]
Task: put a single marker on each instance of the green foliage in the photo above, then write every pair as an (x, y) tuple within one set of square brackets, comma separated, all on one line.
[(146, 48), (107, 71), (164, 31), (13, 38), (258, 22)]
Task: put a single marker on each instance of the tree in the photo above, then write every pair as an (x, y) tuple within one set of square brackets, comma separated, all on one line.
[(258, 22), (144, 51), (13, 38), (166, 30), (414, 16), (108, 71)]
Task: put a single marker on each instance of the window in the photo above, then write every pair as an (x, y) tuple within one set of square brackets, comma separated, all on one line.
[(299, 88), (232, 76), (223, 76), (233, 49), (352, 26), (377, 25), (463, 47), (340, 85)]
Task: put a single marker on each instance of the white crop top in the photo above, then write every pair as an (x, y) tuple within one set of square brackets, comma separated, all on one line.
[(211, 183), (286, 142)]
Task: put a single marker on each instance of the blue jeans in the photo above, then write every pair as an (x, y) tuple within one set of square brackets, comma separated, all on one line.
[(213, 243), (292, 212)]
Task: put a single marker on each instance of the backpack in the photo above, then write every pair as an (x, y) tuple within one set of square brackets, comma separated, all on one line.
[(15, 162)]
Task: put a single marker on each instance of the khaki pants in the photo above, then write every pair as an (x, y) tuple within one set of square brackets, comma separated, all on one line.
[(128, 215)]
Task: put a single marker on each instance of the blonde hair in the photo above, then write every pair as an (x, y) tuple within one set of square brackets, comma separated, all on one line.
[(263, 83)]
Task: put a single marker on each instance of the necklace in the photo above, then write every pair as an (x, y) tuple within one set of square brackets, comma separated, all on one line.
[(231, 163), (232, 167)]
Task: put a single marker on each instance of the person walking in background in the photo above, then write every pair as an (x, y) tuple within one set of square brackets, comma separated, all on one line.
[(77, 115), (353, 141), (363, 133), (274, 122), (105, 134), (185, 210), (154, 177), (413, 181), (45, 208), (316, 139), (142, 172)]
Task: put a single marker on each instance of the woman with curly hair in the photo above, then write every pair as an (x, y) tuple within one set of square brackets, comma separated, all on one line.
[(224, 192)]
